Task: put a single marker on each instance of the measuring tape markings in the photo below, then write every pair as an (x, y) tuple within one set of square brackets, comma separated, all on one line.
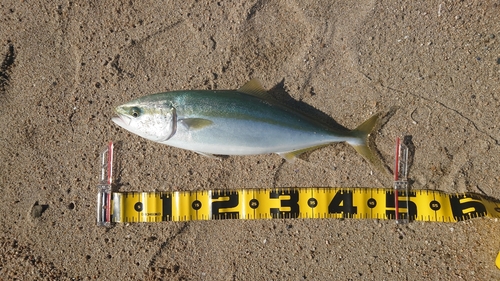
[(358, 203)]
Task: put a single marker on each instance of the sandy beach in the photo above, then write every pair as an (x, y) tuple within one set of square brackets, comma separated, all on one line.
[(66, 65)]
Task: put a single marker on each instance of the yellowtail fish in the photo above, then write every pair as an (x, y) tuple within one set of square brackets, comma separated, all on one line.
[(246, 121)]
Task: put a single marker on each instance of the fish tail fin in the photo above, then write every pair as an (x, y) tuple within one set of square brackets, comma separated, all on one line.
[(363, 144)]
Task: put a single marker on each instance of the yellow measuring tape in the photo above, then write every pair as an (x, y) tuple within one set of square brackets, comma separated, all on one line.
[(250, 204), (400, 203)]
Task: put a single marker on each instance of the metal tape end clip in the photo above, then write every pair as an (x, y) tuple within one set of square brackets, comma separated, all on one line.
[(401, 186), (104, 190)]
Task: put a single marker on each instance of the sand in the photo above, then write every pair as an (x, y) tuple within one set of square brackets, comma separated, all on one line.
[(66, 65)]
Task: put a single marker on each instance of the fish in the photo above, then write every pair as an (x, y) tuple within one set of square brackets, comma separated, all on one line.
[(246, 121)]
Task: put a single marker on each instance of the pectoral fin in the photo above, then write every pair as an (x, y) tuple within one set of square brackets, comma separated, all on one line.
[(196, 123)]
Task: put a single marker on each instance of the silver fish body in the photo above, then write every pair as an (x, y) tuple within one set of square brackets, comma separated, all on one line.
[(246, 121)]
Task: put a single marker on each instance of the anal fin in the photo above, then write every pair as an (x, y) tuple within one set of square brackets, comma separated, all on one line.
[(290, 156)]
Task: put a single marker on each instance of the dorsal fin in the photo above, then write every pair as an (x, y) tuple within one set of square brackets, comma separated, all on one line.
[(254, 88)]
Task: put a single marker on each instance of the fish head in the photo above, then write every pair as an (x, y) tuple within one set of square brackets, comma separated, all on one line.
[(153, 120)]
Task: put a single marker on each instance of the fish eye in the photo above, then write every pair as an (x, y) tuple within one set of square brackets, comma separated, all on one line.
[(135, 112)]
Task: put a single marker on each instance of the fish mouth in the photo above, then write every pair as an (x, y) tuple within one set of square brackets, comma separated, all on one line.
[(121, 120)]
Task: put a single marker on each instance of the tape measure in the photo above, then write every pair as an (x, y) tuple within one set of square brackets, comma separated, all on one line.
[(399, 203), (304, 203)]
